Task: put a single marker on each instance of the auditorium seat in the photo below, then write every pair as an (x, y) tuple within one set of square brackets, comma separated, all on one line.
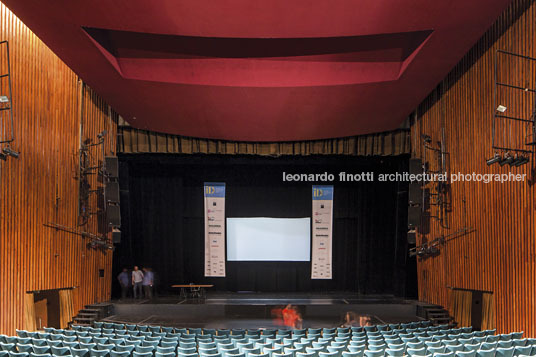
[(123, 348), (377, 347), (143, 354), (523, 350), (471, 353), (144, 349), (504, 351), (417, 351), (504, 344), (18, 354), (168, 354), (455, 348), (369, 353), (98, 353), (69, 344), (114, 353), (353, 354), (485, 353), (8, 347), (32, 354), (60, 351), (80, 352), (395, 352)]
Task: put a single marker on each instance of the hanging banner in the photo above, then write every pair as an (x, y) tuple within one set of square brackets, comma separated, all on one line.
[(214, 193), (322, 228)]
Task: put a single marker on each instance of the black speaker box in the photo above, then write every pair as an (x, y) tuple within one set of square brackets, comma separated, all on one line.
[(113, 215), (111, 192), (116, 236), (415, 193), (414, 216), (412, 237), (112, 166), (415, 166)]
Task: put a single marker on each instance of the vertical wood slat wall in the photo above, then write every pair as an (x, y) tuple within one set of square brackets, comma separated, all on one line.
[(40, 186), (499, 255)]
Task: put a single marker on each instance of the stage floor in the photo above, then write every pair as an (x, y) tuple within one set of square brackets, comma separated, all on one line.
[(253, 298), (254, 310)]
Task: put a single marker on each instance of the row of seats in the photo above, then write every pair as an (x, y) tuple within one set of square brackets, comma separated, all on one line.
[(124, 340)]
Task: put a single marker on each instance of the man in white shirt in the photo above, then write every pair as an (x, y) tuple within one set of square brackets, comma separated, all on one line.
[(137, 279)]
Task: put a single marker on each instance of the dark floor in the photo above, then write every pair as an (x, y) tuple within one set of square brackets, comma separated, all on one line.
[(255, 310), (254, 298)]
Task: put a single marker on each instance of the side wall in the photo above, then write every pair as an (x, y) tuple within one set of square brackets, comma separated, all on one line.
[(41, 186), (499, 254)]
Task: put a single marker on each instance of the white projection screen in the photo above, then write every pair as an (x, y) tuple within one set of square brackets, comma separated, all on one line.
[(269, 239)]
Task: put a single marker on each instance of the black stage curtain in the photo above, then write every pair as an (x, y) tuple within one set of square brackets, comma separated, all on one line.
[(162, 220)]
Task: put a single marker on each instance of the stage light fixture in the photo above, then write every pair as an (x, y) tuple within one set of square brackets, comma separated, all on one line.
[(496, 158), (521, 160), (501, 108), (8, 151), (4, 99), (3, 157), (102, 134), (507, 159)]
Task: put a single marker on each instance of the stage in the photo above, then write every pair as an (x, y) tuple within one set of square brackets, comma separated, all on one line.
[(254, 310)]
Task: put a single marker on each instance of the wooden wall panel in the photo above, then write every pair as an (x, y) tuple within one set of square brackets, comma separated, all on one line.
[(41, 186), (499, 254)]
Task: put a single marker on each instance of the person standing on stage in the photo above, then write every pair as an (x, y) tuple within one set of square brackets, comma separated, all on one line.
[(148, 280), (124, 282), (137, 279)]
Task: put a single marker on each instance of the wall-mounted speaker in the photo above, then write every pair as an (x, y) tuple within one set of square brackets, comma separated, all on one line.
[(112, 166), (116, 236), (415, 166), (412, 237), (111, 192), (113, 215), (414, 216)]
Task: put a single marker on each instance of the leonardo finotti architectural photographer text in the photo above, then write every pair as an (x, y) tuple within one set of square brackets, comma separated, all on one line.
[(403, 176)]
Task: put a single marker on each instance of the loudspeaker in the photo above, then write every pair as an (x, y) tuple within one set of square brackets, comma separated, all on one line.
[(414, 216), (415, 166), (415, 193), (415, 188), (116, 236), (112, 166), (113, 215), (111, 192), (412, 237)]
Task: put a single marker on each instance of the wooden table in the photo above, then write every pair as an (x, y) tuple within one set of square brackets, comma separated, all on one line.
[(196, 290)]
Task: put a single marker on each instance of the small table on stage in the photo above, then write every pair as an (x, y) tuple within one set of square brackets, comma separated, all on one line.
[(196, 290)]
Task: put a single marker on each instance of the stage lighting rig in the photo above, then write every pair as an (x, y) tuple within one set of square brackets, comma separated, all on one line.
[(10, 152), (520, 160), (496, 158), (507, 159)]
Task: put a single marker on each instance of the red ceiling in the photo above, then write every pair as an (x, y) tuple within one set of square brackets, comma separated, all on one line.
[(252, 70)]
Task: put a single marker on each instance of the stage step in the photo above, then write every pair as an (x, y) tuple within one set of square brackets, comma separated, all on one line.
[(88, 315), (435, 313), (92, 313)]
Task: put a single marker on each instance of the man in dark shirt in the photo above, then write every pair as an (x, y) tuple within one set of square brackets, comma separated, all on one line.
[(124, 282)]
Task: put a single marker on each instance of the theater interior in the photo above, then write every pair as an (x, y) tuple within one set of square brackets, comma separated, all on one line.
[(241, 178)]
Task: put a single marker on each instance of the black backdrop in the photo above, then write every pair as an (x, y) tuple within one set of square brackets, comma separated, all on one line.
[(163, 228)]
